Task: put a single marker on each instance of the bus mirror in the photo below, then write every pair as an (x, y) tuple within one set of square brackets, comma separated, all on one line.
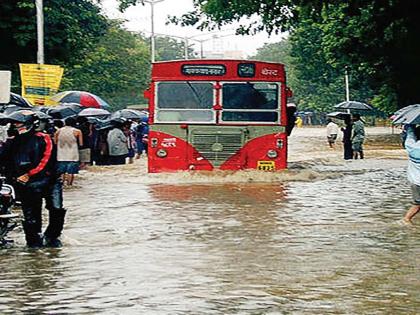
[(5, 80), (147, 94), (289, 92)]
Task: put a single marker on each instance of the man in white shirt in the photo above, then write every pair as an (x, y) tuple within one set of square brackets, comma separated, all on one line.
[(332, 132)]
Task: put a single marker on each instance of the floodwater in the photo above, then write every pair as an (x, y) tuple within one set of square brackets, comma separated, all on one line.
[(324, 237)]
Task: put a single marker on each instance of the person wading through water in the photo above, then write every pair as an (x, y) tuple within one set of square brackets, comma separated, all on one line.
[(412, 145), (68, 140), (30, 165), (358, 137)]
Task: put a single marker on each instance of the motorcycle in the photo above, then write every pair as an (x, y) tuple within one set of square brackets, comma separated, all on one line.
[(8, 220)]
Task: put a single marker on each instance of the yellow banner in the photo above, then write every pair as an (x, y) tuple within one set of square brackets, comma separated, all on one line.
[(40, 82)]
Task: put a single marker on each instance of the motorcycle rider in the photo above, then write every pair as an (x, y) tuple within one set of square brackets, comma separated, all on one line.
[(31, 164)]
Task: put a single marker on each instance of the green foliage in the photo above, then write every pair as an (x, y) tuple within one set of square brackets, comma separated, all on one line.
[(378, 39), (171, 49), (319, 75), (117, 68), (98, 55), (71, 29)]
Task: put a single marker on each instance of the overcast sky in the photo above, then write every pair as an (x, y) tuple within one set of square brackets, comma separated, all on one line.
[(138, 19)]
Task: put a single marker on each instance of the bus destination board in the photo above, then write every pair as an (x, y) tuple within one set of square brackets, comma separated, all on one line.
[(203, 70)]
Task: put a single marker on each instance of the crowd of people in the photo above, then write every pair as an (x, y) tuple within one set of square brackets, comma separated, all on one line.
[(81, 143), (38, 155)]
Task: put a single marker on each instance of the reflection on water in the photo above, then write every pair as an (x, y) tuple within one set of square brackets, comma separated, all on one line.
[(332, 246)]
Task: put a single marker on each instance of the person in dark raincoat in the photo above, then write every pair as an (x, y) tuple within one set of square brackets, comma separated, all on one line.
[(29, 162), (347, 144)]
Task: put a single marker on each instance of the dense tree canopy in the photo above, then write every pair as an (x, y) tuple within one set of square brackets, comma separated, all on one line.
[(117, 68), (71, 28), (376, 38), (168, 48)]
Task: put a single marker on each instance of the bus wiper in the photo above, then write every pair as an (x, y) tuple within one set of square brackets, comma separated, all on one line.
[(196, 95)]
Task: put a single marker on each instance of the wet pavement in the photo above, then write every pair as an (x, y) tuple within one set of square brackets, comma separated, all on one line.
[(324, 237)]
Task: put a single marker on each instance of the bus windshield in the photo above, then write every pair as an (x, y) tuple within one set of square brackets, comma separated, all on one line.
[(185, 101), (250, 96), (252, 102)]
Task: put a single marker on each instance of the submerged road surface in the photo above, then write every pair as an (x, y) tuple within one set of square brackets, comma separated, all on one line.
[(323, 238)]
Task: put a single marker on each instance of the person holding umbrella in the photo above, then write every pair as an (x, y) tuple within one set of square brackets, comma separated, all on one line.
[(358, 137), (117, 142), (412, 145), (347, 131)]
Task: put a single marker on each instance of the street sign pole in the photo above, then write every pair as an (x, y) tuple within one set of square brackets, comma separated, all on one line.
[(40, 30)]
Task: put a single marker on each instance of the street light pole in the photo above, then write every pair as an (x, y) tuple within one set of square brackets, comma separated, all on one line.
[(40, 31), (186, 48), (152, 39), (346, 77)]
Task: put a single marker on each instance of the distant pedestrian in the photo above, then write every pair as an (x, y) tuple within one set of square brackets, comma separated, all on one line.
[(332, 132), (348, 150), (299, 122), (358, 137), (85, 152), (131, 141), (412, 145), (117, 144), (68, 140), (291, 117), (141, 133)]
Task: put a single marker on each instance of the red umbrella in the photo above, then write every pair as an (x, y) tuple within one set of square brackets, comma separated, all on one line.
[(85, 99)]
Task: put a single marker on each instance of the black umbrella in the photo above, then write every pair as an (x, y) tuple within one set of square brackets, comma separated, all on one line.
[(130, 114), (102, 124), (16, 99), (41, 115), (3, 120), (354, 105), (408, 115), (65, 110), (8, 109), (339, 115)]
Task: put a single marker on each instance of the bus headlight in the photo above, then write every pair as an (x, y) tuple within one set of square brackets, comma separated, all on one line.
[(161, 153), (272, 154), (154, 142), (279, 143)]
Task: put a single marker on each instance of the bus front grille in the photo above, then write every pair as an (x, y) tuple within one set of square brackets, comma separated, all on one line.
[(217, 147)]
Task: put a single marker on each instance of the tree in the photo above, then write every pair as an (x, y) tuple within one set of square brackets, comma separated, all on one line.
[(378, 37), (171, 49), (117, 68), (279, 52), (71, 28)]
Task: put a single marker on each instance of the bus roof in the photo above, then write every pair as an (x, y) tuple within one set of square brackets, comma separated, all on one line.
[(217, 70)]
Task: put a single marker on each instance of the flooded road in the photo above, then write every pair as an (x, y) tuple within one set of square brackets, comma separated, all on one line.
[(322, 238)]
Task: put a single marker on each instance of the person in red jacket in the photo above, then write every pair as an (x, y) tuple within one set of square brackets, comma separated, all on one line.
[(30, 163)]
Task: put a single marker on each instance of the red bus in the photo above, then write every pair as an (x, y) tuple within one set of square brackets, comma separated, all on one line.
[(217, 114)]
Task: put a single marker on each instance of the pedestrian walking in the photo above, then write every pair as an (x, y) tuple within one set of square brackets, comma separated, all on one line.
[(412, 145), (85, 151), (29, 160), (358, 137), (141, 133), (332, 132), (117, 144), (131, 141), (68, 140), (347, 131)]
